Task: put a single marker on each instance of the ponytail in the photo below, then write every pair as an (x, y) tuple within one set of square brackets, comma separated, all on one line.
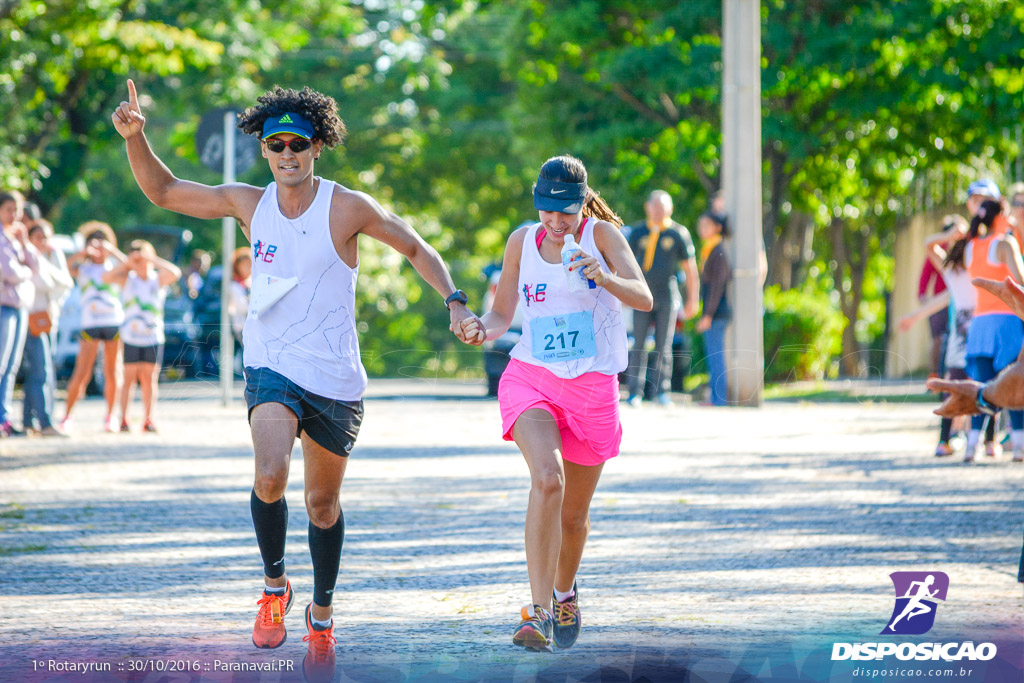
[(595, 207), (955, 256)]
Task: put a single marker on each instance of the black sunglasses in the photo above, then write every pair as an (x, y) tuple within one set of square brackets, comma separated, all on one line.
[(296, 144), (1017, 203)]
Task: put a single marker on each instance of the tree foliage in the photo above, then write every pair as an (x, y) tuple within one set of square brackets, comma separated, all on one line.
[(452, 107)]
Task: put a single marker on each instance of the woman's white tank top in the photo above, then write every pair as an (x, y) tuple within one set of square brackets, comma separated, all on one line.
[(101, 302), (569, 334), (143, 310), (308, 334)]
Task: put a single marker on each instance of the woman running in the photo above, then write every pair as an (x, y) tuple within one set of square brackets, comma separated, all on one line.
[(143, 280), (559, 396), (102, 315), (995, 334), (960, 296)]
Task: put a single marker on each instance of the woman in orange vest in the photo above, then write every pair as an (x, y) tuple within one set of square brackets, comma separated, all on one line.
[(995, 335)]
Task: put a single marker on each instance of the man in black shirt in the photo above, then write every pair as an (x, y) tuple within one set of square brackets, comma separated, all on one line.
[(661, 247)]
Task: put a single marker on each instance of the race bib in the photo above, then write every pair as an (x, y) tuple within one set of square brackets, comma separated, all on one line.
[(558, 338), (267, 290)]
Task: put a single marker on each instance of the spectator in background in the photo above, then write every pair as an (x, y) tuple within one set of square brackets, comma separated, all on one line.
[(198, 267), (716, 272), (931, 278), (995, 334), (52, 284), (17, 268), (143, 280), (945, 250), (717, 207), (238, 295), (1016, 212), (662, 247), (102, 315), (978, 192)]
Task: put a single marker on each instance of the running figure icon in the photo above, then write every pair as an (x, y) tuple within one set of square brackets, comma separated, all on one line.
[(915, 606), (917, 595)]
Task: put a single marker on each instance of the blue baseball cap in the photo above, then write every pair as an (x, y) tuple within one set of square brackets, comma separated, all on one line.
[(553, 195), (288, 122), (984, 187)]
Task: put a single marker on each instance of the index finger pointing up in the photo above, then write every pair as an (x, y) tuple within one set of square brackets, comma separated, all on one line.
[(133, 98)]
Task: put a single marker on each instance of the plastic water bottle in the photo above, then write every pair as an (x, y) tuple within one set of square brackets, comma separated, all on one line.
[(578, 282)]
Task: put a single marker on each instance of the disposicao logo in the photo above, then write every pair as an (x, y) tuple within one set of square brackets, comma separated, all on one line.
[(917, 597)]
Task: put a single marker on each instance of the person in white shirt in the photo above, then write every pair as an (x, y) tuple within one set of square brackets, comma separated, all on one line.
[(102, 315), (559, 395), (53, 282), (143, 279), (303, 372)]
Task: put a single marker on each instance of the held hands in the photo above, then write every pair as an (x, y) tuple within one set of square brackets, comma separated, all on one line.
[(704, 324), (466, 326), (473, 331), (689, 312), (591, 268), (128, 118)]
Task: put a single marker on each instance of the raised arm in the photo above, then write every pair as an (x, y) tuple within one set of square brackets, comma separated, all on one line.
[(167, 271), (165, 190), (117, 275)]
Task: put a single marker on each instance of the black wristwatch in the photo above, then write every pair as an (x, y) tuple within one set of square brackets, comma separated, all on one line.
[(459, 296), (983, 405)]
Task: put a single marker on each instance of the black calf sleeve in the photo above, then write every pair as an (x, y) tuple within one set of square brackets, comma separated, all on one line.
[(271, 523), (945, 428), (325, 550)]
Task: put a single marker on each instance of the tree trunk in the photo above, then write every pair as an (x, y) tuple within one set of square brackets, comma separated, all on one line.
[(849, 267)]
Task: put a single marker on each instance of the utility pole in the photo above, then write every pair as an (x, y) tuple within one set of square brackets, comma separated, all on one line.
[(741, 185)]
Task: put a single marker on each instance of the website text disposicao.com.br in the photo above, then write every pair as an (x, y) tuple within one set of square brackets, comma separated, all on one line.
[(901, 673)]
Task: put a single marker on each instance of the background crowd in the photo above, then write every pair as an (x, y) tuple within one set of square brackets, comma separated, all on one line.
[(119, 317), (975, 334)]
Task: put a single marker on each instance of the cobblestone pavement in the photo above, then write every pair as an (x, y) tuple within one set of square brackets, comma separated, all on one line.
[(716, 532)]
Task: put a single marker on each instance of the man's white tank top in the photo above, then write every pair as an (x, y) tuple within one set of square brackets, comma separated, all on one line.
[(556, 323), (101, 302), (309, 334), (143, 310)]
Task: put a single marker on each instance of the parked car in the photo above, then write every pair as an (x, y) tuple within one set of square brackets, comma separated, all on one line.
[(206, 314)]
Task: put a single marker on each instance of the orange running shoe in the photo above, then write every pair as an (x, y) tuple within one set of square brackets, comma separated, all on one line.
[(318, 664), (269, 630)]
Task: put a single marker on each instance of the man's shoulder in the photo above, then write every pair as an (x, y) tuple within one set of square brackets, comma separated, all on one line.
[(681, 229)]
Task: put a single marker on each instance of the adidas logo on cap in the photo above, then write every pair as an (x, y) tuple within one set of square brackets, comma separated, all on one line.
[(285, 119)]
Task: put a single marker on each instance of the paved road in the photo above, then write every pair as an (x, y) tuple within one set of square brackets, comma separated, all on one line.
[(720, 536)]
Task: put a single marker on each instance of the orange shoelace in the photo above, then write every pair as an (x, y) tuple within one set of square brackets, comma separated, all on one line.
[(321, 642), (268, 611)]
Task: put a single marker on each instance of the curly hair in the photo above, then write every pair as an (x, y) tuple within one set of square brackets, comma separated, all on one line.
[(321, 110)]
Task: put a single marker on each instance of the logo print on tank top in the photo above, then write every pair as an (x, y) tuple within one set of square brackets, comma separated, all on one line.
[(539, 292), (263, 251)]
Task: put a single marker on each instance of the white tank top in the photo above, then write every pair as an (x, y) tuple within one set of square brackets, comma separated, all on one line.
[(556, 323), (309, 334), (101, 302), (143, 310)]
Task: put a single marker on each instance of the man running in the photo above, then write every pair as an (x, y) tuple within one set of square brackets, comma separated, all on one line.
[(303, 375)]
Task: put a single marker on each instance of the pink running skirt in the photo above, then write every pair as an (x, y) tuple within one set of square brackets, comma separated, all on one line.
[(586, 409)]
